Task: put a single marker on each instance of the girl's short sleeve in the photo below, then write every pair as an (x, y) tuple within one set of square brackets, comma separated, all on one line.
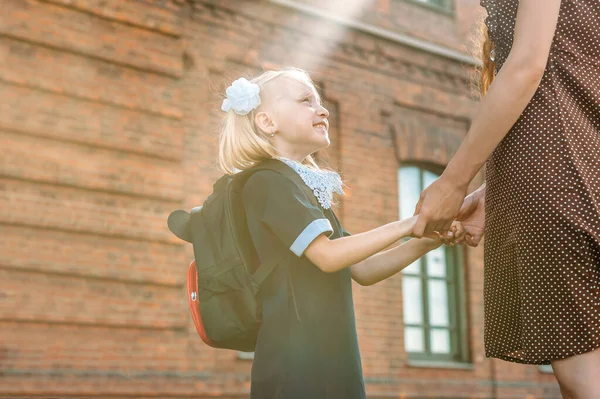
[(284, 208)]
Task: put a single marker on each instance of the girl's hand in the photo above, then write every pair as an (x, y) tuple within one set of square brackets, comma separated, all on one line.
[(447, 237), (460, 234)]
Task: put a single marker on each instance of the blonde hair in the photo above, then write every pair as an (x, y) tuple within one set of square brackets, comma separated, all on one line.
[(241, 143), (488, 67)]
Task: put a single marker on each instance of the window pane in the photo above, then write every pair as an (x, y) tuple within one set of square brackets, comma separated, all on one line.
[(440, 3), (426, 287), (413, 268), (438, 302), (412, 300), (428, 178), (413, 339), (546, 368), (440, 341), (410, 190), (436, 262)]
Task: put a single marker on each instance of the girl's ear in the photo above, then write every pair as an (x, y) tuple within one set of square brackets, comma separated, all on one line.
[(265, 123)]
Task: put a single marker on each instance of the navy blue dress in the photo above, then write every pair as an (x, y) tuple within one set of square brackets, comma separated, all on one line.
[(307, 345)]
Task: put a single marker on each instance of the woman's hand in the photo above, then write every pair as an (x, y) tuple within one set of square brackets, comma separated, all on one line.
[(472, 216), (437, 208)]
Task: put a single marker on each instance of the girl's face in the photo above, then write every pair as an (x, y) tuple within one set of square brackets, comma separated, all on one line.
[(300, 119)]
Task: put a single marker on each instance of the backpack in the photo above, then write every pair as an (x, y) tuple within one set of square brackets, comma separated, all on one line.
[(222, 281)]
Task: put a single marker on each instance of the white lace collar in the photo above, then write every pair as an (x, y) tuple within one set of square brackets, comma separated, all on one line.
[(323, 183)]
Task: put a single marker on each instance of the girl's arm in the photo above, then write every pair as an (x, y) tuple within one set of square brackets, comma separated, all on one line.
[(333, 255), (512, 89), (385, 264)]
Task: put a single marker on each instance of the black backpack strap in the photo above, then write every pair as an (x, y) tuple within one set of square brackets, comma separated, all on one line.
[(196, 223), (264, 270)]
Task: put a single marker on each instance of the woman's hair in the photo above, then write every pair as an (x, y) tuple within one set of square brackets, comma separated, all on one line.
[(484, 47), (241, 143)]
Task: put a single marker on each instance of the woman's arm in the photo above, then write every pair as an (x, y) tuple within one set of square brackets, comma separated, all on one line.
[(506, 100), (512, 89), (385, 264), (333, 255)]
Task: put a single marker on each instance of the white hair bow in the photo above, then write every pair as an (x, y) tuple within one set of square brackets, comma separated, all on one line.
[(242, 96)]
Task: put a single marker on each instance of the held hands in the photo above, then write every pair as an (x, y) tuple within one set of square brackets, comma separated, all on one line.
[(472, 216), (443, 202), (459, 235), (456, 235), (438, 207)]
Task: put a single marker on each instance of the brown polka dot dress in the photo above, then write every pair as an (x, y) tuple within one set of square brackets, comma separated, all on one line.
[(542, 247)]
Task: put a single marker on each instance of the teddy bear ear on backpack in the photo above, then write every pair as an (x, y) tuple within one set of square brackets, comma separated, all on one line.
[(179, 224)]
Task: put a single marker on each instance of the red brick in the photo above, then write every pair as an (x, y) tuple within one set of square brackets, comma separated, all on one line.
[(93, 256), (63, 118), (81, 77), (86, 167), (75, 210), (74, 31), (75, 300)]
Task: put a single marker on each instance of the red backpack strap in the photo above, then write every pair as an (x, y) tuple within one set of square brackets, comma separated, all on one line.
[(194, 303)]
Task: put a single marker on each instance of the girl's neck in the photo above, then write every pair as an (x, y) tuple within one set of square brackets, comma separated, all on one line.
[(290, 159), (294, 151), (298, 157)]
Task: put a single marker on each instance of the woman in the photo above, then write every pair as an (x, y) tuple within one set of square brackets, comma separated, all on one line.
[(538, 128)]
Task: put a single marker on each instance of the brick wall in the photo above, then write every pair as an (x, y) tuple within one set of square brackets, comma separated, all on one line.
[(108, 115), (411, 17)]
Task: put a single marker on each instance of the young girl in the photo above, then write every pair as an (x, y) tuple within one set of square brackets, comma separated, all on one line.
[(307, 345)]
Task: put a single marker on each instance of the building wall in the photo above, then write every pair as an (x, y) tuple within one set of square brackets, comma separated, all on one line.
[(412, 17), (108, 117)]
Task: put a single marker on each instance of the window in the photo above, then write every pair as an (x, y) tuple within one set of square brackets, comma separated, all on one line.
[(432, 295), (546, 368), (445, 5), (245, 355)]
